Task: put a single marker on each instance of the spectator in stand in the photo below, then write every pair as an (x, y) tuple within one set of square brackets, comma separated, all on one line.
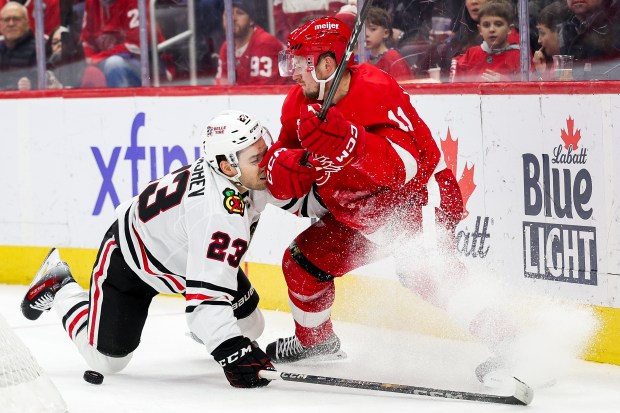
[(591, 35), (51, 13), (534, 7), (67, 62), (466, 35), (256, 51), (411, 19), (548, 23), (18, 57), (495, 59), (111, 39), (290, 14), (378, 35)]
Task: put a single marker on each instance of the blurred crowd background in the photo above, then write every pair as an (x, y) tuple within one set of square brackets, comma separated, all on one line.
[(134, 43)]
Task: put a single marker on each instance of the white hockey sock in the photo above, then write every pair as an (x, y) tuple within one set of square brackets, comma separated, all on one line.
[(253, 325), (96, 360), (71, 304)]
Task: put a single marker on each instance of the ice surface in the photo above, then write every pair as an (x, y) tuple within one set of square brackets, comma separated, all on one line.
[(170, 372)]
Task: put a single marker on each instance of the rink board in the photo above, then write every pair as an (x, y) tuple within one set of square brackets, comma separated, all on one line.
[(543, 218)]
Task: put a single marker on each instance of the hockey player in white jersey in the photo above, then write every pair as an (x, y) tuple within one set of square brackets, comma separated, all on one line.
[(185, 233)]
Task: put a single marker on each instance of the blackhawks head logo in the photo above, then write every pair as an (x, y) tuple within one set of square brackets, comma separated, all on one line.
[(233, 202)]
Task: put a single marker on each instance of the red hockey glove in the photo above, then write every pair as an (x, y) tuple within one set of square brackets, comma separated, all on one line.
[(286, 176), (450, 211), (336, 138), (242, 360)]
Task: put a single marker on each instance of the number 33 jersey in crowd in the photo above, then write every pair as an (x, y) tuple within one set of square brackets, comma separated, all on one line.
[(187, 233)]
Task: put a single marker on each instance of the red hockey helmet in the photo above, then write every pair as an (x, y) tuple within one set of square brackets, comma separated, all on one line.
[(310, 41)]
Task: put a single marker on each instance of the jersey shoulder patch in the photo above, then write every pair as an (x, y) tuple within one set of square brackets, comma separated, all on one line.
[(233, 202)]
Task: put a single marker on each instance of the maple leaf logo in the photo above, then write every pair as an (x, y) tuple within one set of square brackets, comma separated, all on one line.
[(571, 137), (450, 149)]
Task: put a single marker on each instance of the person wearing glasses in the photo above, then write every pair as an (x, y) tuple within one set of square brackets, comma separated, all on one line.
[(18, 57)]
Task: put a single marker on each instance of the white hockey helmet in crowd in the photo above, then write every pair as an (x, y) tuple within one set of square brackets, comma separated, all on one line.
[(228, 133)]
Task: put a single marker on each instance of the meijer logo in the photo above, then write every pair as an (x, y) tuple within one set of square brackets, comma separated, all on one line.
[(327, 26)]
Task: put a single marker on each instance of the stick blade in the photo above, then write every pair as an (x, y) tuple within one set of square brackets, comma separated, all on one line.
[(523, 393)]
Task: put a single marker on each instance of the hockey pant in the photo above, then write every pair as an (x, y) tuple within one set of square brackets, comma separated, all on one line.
[(325, 250), (106, 322), (330, 249)]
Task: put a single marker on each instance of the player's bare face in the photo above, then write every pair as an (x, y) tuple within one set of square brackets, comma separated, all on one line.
[(252, 176), (494, 30), (309, 86)]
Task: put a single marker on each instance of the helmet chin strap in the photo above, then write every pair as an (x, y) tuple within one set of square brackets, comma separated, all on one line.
[(235, 180), (322, 83)]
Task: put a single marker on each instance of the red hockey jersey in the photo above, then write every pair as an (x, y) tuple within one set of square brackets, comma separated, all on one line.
[(392, 62), (110, 28), (400, 154), (476, 61), (258, 65)]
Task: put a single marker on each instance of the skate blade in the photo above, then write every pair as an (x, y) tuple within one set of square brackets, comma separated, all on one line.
[(339, 355)]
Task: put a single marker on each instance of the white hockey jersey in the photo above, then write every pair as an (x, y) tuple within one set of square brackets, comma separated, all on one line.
[(187, 233)]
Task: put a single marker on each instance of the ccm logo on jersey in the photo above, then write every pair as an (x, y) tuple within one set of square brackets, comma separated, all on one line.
[(348, 149), (235, 356)]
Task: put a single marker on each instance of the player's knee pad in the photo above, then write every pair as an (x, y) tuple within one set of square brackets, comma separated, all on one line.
[(253, 325), (295, 260), (98, 361), (302, 276)]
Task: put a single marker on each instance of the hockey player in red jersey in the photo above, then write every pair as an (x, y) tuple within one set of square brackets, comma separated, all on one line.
[(256, 51), (185, 233), (370, 162)]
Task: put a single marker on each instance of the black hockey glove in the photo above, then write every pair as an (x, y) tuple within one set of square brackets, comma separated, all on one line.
[(242, 360)]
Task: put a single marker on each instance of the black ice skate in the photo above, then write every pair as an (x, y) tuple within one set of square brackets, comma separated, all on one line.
[(289, 349), (52, 275)]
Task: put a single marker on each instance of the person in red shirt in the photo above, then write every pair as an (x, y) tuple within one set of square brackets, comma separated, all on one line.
[(495, 59), (111, 39), (368, 163), (378, 33), (256, 51)]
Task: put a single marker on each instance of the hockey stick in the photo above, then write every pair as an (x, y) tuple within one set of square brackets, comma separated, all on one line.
[(359, 22), (522, 395)]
